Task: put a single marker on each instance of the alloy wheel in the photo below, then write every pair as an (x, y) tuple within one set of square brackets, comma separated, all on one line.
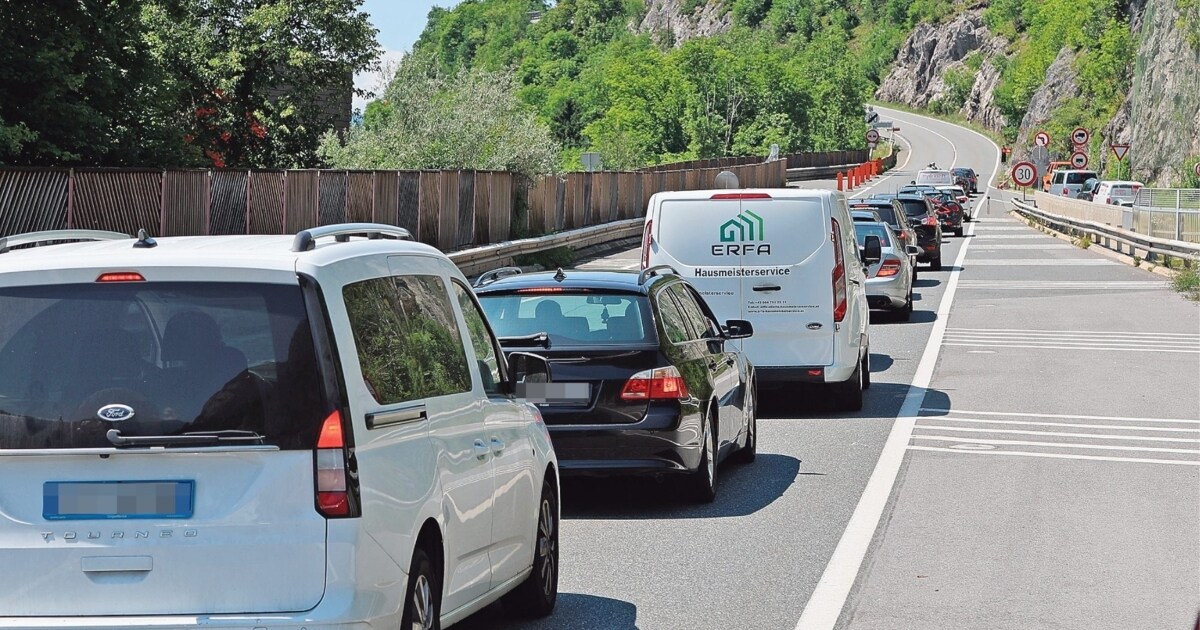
[(422, 603), (547, 548)]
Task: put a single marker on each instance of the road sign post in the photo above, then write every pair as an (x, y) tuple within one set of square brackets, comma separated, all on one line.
[(1119, 150), (1023, 175)]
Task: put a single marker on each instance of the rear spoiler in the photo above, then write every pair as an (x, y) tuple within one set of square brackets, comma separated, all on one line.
[(540, 339)]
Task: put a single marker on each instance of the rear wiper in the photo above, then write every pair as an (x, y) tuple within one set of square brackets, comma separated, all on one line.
[(195, 438), (536, 339)]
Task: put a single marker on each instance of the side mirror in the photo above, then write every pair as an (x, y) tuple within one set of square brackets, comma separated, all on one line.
[(528, 374), (738, 329), (872, 252), (913, 250)]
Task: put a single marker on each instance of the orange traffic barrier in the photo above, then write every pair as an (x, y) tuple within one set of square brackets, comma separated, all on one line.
[(839, 178), (853, 178)]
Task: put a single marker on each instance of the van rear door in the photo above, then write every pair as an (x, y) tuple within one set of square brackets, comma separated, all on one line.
[(758, 257)]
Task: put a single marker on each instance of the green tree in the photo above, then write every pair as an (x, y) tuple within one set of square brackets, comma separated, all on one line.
[(249, 73)]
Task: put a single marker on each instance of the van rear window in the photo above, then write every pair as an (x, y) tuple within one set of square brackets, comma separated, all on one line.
[(183, 357)]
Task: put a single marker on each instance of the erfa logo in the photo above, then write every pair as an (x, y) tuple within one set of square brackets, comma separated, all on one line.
[(746, 226)]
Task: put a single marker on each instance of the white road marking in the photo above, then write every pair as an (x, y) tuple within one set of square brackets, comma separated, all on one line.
[(1025, 414), (1069, 425), (1025, 285), (1046, 237), (1061, 347), (829, 597), (1097, 436), (1042, 262), (1150, 342), (1136, 460), (992, 247), (1099, 447), (1042, 331)]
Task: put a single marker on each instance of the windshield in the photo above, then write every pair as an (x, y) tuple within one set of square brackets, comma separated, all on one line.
[(1079, 178), (182, 357), (863, 230), (586, 319)]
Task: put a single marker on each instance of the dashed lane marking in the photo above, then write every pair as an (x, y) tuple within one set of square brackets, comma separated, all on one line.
[(1065, 416), (1097, 447), (1066, 425), (1074, 340), (1050, 285), (1092, 436), (1134, 460)]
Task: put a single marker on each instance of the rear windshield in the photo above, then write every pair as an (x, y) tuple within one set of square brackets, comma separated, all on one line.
[(184, 357), (888, 215), (864, 230), (1121, 190), (1079, 178), (914, 208), (584, 319)]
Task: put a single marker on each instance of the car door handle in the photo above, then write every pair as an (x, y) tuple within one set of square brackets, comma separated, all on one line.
[(498, 445), (767, 288), (481, 450)]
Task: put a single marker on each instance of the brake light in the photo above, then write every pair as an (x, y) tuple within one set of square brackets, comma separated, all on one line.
[(741, 196), (646, 245), (333, 482), (125, 276), (928, 220), (547, 290), (890, 267), (658, 384), (840, 290)]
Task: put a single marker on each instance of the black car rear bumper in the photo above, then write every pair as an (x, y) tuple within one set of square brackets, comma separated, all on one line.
[(656, 445)]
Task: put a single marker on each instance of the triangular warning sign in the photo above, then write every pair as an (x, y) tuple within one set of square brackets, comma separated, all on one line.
[(1120, 150)]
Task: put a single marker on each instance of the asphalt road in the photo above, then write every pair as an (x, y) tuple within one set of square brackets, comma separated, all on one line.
[(1021, 497)]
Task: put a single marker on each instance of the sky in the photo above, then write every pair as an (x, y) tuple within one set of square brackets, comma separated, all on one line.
[(400, 23)]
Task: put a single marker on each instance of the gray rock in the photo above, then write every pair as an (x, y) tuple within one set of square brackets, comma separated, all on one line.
[(665, 21), (1060, 85), (1165, 108)]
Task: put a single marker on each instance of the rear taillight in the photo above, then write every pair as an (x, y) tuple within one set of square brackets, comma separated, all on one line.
[(122, 276), (902, 236), (646, 245), (658, 384), (888, 268), (929, 221), (333, 480), (839, 275)]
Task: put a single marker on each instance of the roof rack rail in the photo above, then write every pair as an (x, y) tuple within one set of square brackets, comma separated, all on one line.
[(494, 275), (50, 236), (653, 271), (306, 239)]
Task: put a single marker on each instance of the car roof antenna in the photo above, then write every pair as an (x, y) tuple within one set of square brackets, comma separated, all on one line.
[(559, 276), (144, 241)]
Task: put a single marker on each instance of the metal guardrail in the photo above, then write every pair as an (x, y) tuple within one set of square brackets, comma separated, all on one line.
[(479, 259), (1111, 237), (1172, 213)]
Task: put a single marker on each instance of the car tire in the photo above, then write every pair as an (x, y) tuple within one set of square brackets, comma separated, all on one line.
[(958, 231), (422, 604), (936, 263), (749, 451), (905, 313), (849, 395), (914, 272), (703, 482), (866, 368), (536, 596)]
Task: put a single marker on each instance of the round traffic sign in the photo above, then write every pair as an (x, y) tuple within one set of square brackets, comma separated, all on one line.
[(1080, 136), (872, 135), (1079, 159), (1042, 139), (1024, 173), (1196, 169)]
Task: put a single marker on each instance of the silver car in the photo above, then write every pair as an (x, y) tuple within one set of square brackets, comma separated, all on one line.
[(889, 279)]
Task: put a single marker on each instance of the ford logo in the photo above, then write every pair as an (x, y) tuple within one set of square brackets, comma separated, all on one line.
[(814, 326), (115, 413)]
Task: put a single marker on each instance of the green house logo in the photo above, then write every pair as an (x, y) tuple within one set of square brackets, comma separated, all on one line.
[(746, 226)]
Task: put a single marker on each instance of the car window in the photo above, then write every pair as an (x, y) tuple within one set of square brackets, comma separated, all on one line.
[(863, 230), (914, 208), (570, 319), (701, 326), (184, 356), (1079, 178), (481, 340), (672, 318), (407, 337)]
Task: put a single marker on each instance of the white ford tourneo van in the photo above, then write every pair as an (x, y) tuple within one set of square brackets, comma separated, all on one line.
[(787, 260), (262, 432)]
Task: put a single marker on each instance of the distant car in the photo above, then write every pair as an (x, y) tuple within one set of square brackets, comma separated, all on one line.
[(970, 181), (890, 279), (895, 219), (1069, 183), (1054, 166), (960, 195), (924, 219), (651, 384), (917, 189), (1116, 193), (935, 177), (950, 212)]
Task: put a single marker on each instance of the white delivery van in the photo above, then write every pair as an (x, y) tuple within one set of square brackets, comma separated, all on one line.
[(787, 260), (935, 177)]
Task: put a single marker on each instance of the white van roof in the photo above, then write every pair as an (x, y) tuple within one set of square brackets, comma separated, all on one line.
[(774, 193)]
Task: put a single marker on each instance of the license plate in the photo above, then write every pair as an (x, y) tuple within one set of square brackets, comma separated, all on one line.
[(558, 393), (78, 500)]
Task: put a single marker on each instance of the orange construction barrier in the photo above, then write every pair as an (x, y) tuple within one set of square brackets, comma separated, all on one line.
[(839, 178)]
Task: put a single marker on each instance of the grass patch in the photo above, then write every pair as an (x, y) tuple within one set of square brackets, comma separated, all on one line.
[(1084, 241), (548, 259), (1187, 283)]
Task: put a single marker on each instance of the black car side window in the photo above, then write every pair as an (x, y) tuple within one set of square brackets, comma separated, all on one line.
[(482, 340), (702, 326), (672, 318)]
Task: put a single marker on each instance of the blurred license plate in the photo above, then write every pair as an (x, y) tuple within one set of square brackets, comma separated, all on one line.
[(74, 500), (558, 393)]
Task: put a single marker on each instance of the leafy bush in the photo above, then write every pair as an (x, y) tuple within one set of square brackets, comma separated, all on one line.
[(1187, 282)]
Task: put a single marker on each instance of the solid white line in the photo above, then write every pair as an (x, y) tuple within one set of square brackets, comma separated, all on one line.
[(1050, 347), (1077, 341), (1025, 414), (1098, 447), (1059, 332), (1076, 337), (1040, 262), (1098, 436), (829, 597), (1101, 458), (1021, 236), (1073, 425)]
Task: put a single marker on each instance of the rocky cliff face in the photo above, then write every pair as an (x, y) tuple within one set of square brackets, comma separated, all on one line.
[(918, 76), (666, 21), (1165, 105)]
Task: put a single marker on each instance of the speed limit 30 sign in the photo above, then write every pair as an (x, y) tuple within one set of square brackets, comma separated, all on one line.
[(1024, 173)]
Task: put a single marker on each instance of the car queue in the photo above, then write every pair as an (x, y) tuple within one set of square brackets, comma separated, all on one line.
[(406, 431)]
